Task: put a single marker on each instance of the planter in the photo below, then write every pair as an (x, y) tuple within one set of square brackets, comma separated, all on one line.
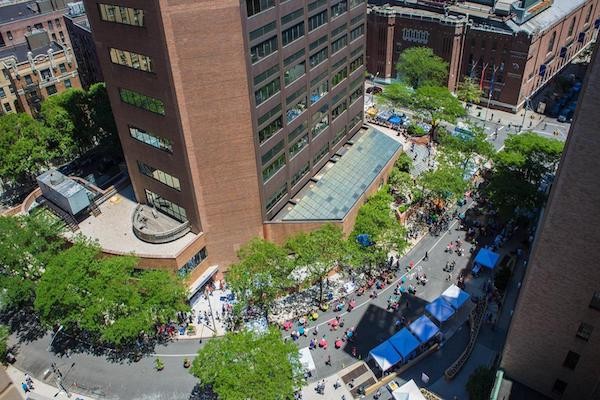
[(186, 363)]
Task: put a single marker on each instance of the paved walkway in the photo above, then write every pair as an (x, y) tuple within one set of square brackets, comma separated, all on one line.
[(41, 390)]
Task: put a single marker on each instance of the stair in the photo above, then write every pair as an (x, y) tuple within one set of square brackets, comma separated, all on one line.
[(94, 209), (68, 219)]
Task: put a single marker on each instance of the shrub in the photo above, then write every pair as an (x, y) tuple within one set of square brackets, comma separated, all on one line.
[(416, 130), (404, 163), (480, 383)]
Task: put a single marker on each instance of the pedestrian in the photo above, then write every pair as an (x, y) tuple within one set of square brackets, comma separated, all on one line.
[(426, 256), (25, 387), (29, 381), (337, 384)]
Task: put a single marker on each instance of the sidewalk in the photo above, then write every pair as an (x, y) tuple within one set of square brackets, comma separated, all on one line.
[(41, 391), (330, 393)]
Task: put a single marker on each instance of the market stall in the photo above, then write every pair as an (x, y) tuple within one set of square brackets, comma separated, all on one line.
[(424, 329), (385, 356), (455, 296), (440, 309), (405, 344)]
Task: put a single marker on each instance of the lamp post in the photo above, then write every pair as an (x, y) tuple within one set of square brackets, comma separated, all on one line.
[(54, 367), (373, 88), (524, 112)]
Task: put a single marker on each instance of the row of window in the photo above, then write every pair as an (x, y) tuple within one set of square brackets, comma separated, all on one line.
[(131, 59), (267, 91), (142, 101), (166, 206), (121, 15), (263, 49), (192, 263), (159, 175), (257, 6), (151, 139)]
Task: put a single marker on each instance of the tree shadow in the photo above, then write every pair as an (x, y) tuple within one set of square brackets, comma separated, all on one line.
[(202, 392), (25, 324)]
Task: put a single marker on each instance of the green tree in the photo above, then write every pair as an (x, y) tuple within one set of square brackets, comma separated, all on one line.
[(404, 163), (402, 183), (445, 182), (104, 296), (395, 95), (377, 220), (480, 383), (418, 66), (519, 170), (436, 104), (248, 365), (469, 91), (27, 147), (4, 333), (27, 244), (318, 251), (461, 150), (103, 123), (261, 274)]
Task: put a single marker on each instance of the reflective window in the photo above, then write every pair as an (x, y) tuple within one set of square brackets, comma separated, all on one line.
[(131, 59), (257, 6), (291, 34), (267, 91), (121, 15), (192, 263), (321, 153), (159, 175), (275, 166), (317, 20), (295, 72), (141, 101), (339, 8), (275, 197), (318, 58), (166, 206), (300, 174), (298, 146), (320, 121), (268, 131), (151, 139), (263, 49)]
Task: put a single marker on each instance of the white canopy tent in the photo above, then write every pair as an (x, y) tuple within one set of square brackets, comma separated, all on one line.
[(306, 359), (408, 391)]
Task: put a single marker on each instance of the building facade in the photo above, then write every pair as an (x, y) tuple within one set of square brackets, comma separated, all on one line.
[(225, 110), (83, 45), (519, 47), (553, 343), (33, 71), (21, 18)]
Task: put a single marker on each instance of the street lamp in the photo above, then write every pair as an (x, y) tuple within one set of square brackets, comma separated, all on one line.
[(373, 88), (525, 112), (54, 367)]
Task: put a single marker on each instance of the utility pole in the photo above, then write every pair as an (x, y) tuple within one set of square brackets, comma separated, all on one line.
[(55, 369)]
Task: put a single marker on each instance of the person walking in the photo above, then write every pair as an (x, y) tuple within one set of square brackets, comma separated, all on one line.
[(25, 387)]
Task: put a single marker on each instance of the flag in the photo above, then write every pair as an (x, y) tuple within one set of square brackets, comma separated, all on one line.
[(484, 67)]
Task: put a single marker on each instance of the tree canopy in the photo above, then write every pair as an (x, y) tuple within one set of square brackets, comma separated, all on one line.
[(461, 150), (248, 365), (260, 275), (436, 104), (318, 251), (106, 297), (468, 91), (4, 333), (445, 182), (519, 170), (418, 66), (27, 244)]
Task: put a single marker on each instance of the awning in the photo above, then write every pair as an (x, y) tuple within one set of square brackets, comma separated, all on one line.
[(404, 343), (306, 359), (455, 296), (487, 258), (395, 119), (440, 309), (385, 355), (372, 111), (408, 391), (423, 328), (202, 279)]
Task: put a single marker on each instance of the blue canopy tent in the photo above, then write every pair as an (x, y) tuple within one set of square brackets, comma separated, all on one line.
[(395, 119), (455, 296), (423, 328), (440, 309), (485, 258), (385, 356), (404, 343), (364, 240)]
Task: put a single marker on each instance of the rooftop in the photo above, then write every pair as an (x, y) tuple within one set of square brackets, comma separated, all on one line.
[(341, 183), (17, 11), (112, 229), (548, 17), (20, 51)]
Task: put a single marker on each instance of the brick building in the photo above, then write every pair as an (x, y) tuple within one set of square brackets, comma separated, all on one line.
[(553, 343), (34, 70), (16, 20), (83, 44), (521, 45), (231, 113)]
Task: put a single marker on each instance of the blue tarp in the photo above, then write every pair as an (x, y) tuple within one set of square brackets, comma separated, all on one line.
[(404, 343), (395, 119), (423, 328), (385, 355), (455, 296), (487, 258), (364, 240), (440, 309)]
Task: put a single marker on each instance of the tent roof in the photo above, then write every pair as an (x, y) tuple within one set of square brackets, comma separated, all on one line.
[(487, 258), (455, 296), (306, 359), (385, 355), (423, 328), (409, 391), (404, 342), (440, 309)]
